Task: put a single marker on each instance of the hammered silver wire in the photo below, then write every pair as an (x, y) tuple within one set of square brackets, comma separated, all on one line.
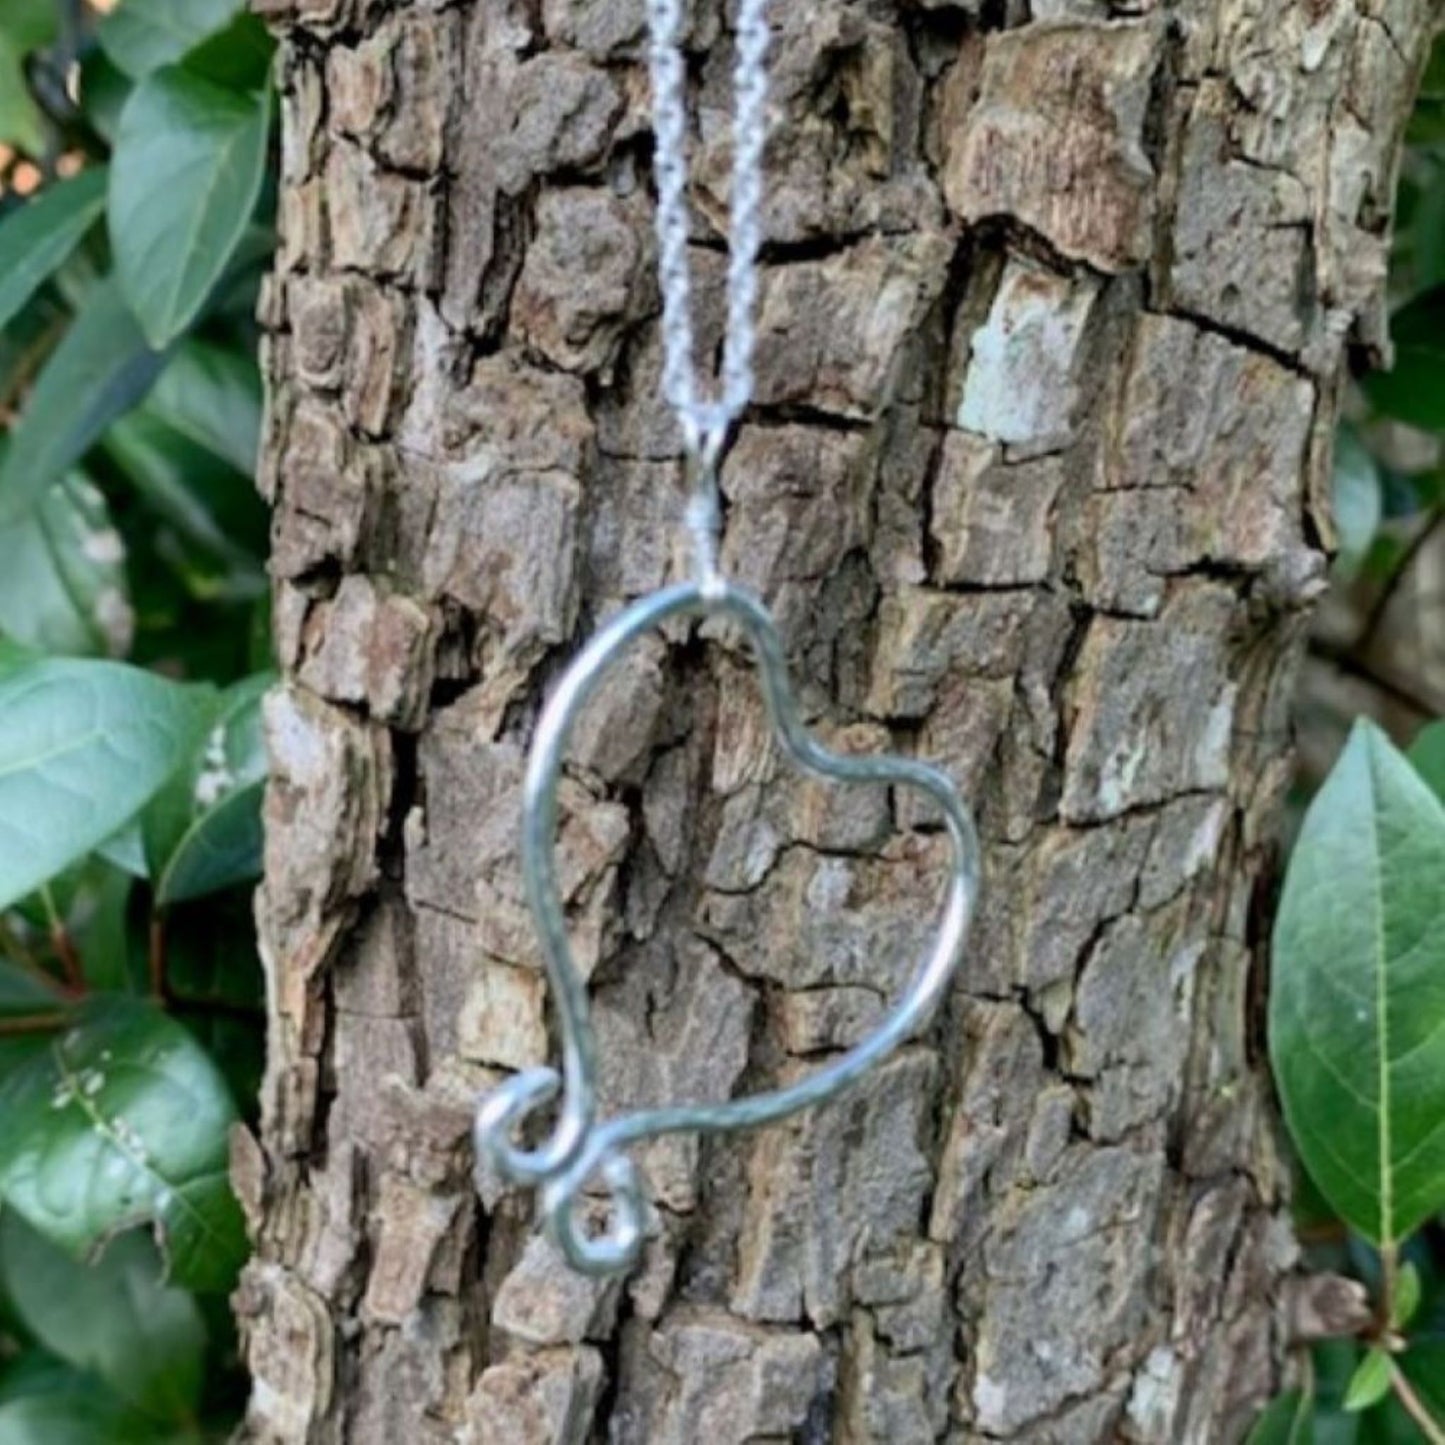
[(579, 1148)]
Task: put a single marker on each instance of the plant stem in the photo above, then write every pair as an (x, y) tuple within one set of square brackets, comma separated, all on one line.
[(63, 943), (1415, 1407), (18, 954), (156, 956), (1389, 1283)]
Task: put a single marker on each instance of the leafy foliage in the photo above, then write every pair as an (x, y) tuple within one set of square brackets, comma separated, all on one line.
[(36, 240), (116, 1317), (189, 158), (1357, 1006), (132, 592), (1357, 1011), (1287, 1421)]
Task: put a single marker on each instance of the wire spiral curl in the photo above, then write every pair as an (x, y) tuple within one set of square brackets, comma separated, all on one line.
[(580, 1147)]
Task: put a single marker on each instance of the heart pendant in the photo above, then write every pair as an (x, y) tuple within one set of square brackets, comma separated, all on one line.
[(580, 1146)]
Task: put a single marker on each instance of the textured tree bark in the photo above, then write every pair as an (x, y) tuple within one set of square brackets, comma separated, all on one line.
[(1054, 312)]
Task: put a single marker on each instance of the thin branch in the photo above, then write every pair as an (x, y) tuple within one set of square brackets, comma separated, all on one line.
[(1415, 1407), (43, 976), (1389, 1284), (156, 956), (1352, 665), (13, 947), (63, 943), (1412, 550)]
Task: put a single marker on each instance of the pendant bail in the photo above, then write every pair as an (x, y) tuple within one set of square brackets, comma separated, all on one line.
[(704, 440)]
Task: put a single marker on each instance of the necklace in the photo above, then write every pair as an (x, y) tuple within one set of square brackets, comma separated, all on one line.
[(581, 1147)]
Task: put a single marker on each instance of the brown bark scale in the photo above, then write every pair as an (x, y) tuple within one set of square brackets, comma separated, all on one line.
[(1054, 311)]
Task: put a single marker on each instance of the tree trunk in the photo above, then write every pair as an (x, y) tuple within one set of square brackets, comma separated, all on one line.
[(1053, 318)]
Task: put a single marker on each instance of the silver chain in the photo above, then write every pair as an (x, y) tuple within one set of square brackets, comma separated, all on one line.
[(707, 420)]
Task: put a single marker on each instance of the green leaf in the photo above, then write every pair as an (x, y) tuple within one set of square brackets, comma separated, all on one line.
[(104, 90), (63, 583), (1407, 1295), (22, 124), (31, 24), (76, 1417), (188, 164), (142, 35), (203, 829), (1427, 753), (1358, 502), (21, 993), (1370, 1383), (1413, 390), (33, 1372), (209, 504), (238, 57), (36, 238), (212, 396), (99, 923), (126, 850), (83, 746), (101, 369), (115, 1317), (1288, 1420), (1427, 231), (121, 1121), (1424, 1366), (1357, 1007), (1333, 1365)]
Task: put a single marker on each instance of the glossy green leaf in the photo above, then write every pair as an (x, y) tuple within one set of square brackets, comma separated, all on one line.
[(238, 57), (1357, 501), (212, 396), (1427, 753), (114, 1316), (1333, 1365), (112, 952), (1413, 390), (15, 655), (36, 238), (75, 1417), (83, 747), (214, 509), (203, 829), (63, 585), (33, 1372), (1424, 1366), (126, 850), (100, 370), (121, 1121), (22, 993), (142, 35), (1288, 1420), (1370, 1383), (22, 124), (1357, 1007), (1427, 231), (31, 24), (104, 90), (187, 168), (1407, 1295)]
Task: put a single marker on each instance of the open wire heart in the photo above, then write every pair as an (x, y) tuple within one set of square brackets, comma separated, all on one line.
[(580, 1146)]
